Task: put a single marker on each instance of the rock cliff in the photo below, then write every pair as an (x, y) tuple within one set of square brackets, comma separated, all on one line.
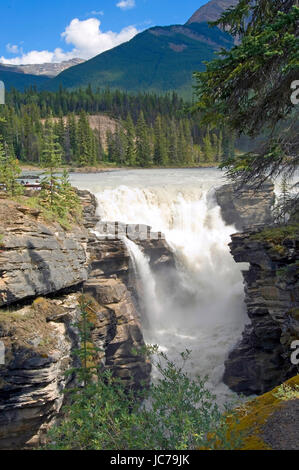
[(262, 359), (245, 207), (34, 255), (44, 270)]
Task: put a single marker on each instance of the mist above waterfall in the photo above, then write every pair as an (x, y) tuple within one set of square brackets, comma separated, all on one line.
[(204, 310)]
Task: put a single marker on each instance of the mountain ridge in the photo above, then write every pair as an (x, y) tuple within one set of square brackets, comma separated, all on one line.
[(211, 11), (47, 69), (160, 59)]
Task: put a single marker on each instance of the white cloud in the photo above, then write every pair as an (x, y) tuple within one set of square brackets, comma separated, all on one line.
[(39, 57), (95, 13), (12, 48), (86, 37), (126, 4), (89, 40)]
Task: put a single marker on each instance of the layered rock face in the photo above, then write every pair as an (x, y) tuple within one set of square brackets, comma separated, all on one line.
[(38, 341), (118, 329), (36, 258), (262, 359), (246, 207), (39, 333)]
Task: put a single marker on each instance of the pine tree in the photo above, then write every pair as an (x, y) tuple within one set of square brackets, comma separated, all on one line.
[(143, 145), (219, 146), (73, 135), (228, 144), (119, 145), (130, 150), (67, 200), (84, 140), (9, 171), (51, 160), (160, 144), (182, 144), (189, 155), (207, 147), (173, 143), (60, 132)]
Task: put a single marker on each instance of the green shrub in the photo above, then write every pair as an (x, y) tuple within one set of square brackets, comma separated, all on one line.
[(175, 412)]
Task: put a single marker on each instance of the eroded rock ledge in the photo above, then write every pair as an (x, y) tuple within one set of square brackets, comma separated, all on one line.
[(262, 359)]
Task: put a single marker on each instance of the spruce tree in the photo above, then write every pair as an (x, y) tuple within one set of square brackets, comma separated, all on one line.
[(85, 156), (207, 147), (51, 160), (130, 149), (160, 144), (73, 136), (182, 144), (143, 145), (9, 171), (173, 143)]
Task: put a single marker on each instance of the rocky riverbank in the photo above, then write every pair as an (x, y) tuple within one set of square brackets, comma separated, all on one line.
[(262, 359)]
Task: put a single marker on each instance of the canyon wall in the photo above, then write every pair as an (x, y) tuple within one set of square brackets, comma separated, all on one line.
[(44, 270), (246, 206), (262, 359)]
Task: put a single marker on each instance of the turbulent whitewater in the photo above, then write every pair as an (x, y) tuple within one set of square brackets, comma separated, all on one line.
[(206, 312)]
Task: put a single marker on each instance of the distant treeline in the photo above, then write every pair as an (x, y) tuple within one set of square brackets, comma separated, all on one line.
[(150, 129)]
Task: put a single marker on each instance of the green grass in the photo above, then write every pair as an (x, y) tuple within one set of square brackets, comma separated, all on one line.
[(34, 202)]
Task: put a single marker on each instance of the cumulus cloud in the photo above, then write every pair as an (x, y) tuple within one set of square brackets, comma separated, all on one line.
[(126, 4), (86, 37), (89, 40)]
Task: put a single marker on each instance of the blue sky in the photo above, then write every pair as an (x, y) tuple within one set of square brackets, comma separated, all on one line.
[(36, 32)]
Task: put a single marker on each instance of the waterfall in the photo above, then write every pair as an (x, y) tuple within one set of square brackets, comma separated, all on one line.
[(205, 312), (148, 293)]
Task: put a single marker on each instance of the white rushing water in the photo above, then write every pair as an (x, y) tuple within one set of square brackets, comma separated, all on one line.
[(204, 310)]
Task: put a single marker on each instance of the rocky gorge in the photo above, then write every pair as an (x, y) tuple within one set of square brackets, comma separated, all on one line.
[(45, 268)]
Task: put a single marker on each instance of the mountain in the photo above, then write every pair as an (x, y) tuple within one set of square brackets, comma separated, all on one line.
[(20, 81), (23, 76), (47, 69), (211, 11), (159, 59)]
